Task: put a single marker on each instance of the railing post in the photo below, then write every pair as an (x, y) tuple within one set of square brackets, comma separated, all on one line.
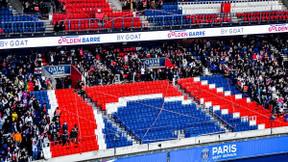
[(79, 24), (123, 22), (35, 26)]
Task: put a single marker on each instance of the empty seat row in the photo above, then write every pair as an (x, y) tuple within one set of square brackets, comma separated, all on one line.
[(163, 12), (84, 9), (263, 16), (75, 111), (228, 103), (188, 19), (23, 23), (18, 18), (82, 1), (102, 94), (138, 117), (114, 138)]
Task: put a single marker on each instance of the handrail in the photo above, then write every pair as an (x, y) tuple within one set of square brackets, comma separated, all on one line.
[(239, 105), (243, 93), (117, 118), (24, 25), (101, 24), (221, 118), (17, 5), (215, 2)]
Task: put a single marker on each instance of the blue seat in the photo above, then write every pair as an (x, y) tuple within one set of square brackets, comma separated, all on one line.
[(138, 118)]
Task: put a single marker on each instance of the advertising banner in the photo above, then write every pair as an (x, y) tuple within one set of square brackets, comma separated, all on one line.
[(157, 63), (154, 62), (58, 70), (140, 36), (233, 150), (75, 76), (157, 157)]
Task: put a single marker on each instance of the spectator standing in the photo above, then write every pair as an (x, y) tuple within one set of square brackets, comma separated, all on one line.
[(17, 138)]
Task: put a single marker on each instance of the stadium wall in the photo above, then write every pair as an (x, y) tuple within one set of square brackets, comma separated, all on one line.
[(220, 152), (172, 145), (232, 150), (157, 157)]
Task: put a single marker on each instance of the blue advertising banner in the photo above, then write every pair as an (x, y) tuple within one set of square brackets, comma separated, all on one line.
[(154, 62), (233, 150), (58, 70), (157, 157)]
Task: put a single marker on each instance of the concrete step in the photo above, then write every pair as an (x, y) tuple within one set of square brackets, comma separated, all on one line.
[(116, 4), (14, 12), (234, 19), (121, 129)]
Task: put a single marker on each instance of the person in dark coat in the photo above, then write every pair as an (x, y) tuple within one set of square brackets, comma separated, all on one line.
[(65, 137), (65, 127), (74, 133)]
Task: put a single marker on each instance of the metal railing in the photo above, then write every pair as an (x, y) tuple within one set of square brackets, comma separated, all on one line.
[(97, 24), (23, 26), (276, 14), (136, 22), (215, 2), (181, 20)]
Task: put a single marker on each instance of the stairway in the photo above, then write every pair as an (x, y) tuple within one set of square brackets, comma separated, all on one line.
[(18, 7), (145, 22), (283, 6), (115, 4), (203, 108), (47, 153), (49, 26), (284, 56), (53, 102), (121, 129), (218, 100), (100, 127)]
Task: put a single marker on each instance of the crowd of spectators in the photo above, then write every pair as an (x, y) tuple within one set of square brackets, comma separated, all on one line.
[(21, 132), (42, 6), (25, 125), (100, 64), (141, 4), (20, 70), (250, 62), (254, 64)]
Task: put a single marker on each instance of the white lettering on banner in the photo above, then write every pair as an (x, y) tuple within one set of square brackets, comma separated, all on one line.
[(78, 40), (90, 39), (153, 62), (184, 33), (140, 36), (12, 43), (281, 27), (129, 37), (232, 31), (224, 151), (56, 70)]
